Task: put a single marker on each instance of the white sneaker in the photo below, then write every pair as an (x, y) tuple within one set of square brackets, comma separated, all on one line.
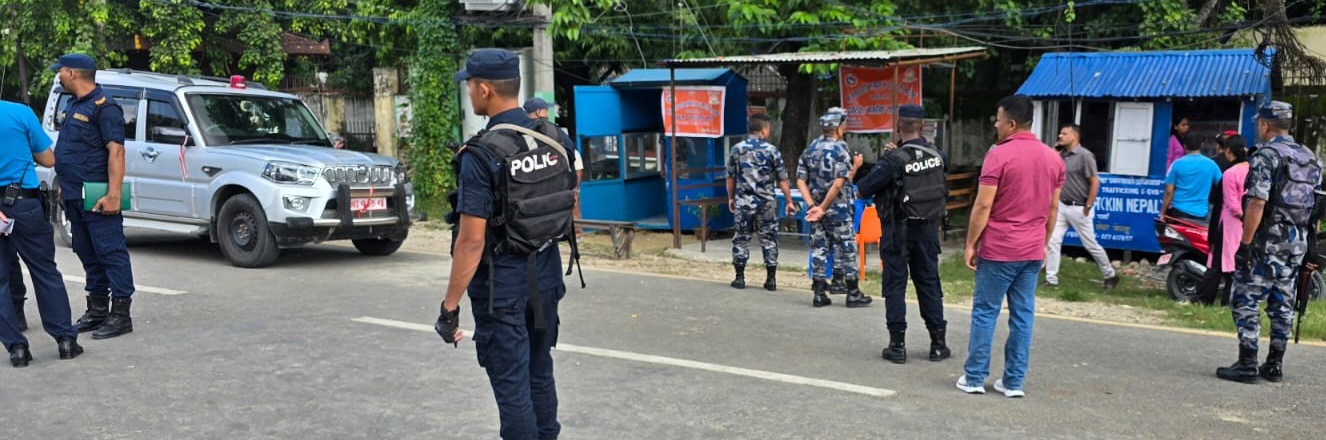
[(970, 389), (999, 386)]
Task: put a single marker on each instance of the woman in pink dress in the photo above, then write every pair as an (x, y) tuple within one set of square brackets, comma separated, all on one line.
[(1178, 135), (1235, 151)]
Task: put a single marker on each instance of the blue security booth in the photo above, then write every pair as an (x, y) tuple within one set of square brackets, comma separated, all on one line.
[(1126, 104), (621, 134)]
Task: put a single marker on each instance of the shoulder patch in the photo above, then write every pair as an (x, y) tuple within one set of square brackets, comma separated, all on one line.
[(81, 117), (101, 101)]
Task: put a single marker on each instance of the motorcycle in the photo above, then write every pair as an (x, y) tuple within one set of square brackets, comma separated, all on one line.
[(1185, 250)]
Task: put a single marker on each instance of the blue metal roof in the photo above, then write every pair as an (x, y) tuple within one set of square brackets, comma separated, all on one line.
[(1176, 74), (662, 78)]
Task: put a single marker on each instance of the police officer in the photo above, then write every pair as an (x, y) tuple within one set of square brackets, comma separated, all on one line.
[(91, 149), (511, 346), (907, 185), (1282, 178), (824, 174), (27, 233), (753, 167)]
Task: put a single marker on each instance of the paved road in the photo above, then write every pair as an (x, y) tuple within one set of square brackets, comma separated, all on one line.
[(286, 352)]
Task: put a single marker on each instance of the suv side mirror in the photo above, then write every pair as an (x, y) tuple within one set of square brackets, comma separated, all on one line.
[(171, 135)]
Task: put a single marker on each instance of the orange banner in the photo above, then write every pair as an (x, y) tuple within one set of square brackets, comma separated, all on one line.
[(871, 96), (699, 111)]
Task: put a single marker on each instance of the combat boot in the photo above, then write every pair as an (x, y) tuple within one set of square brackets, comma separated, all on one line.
[(740, 281), (821, 300), (119, 322), (854, 296), (896, 352), (1271, 369), (938, 346), (22, 317), (98, 309), (1245, 370), (771, 281), (837, 286)]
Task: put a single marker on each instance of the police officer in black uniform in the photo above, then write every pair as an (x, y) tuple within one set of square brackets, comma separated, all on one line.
[(508, 315), (91, 149), (908, 186)]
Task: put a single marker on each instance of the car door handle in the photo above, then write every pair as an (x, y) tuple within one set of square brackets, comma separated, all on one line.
[(150, 154)]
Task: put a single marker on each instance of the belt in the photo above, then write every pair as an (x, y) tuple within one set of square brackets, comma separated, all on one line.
[(1073, 203), (29, 194)]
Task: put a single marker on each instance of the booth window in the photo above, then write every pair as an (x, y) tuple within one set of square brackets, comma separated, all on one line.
[(642, 153), (603, 158)]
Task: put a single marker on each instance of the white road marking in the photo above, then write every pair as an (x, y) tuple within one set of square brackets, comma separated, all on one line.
[(673, 362), (148, 289)]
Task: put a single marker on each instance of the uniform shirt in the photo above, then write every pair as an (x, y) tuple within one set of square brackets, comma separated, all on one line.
[(21, 136), (1026, 173), (1193, 176), (825, 161), (476, 198), (1263, 166), (1079, 168), (756, 167), (91, 122), (885, 177)]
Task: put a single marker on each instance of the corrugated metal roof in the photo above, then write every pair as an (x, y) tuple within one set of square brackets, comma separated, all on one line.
[(863, 56), (1174, 74), (662, 77)]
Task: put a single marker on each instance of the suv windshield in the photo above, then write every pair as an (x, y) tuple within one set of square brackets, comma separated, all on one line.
[(248, 119)]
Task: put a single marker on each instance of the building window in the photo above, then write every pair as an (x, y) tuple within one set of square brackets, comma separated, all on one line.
[(603, 159), (642, 153)]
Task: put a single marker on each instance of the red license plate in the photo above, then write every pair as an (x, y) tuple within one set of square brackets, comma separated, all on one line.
[(1164, 259), (369, 204)]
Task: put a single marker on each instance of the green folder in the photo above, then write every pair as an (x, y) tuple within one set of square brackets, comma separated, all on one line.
[(94, 191)]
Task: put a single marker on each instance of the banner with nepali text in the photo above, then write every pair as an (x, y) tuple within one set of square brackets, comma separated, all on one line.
[(872, 96), (699, 111)]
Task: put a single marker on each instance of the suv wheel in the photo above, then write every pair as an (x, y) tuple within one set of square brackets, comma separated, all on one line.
[(63, 231), (243, 233), (378, 247)]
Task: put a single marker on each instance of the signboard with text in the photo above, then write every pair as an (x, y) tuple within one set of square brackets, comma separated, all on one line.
[(699, 111), (871, 95), (1126, 210)]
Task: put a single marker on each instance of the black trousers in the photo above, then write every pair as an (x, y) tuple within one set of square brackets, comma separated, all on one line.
[(919, 256)]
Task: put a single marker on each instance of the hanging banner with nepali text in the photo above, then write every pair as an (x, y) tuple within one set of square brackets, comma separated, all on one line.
[(699, 111), (872, 96)]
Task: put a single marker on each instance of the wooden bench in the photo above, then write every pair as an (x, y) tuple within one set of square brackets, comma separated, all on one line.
[(621, 232), (961, 194)]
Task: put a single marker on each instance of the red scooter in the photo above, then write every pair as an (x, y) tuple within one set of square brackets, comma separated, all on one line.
[(1185, 250)]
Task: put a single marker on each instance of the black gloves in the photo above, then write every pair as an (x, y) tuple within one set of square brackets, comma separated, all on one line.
[(447, 323), (1244, 257)]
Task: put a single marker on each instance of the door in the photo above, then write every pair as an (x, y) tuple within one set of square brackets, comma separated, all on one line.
[(161, 186), (1131, 152)]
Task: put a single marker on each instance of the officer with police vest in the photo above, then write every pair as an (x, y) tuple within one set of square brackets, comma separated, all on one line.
[(91, 149), (907, 185)]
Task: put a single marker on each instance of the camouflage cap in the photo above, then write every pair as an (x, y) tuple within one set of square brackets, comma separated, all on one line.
[(834, 118), (1276, 111)]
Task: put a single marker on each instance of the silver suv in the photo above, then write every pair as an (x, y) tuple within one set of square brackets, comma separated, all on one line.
[(248, 168)]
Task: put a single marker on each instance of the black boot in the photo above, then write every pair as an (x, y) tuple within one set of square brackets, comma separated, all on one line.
[(938, 346), (1271, 369), (119, 321), (22, 317), (821, 300), (771, 280), (896, 352), (19, 356), (98, 309), (69, 347), (1245, 370), (854, 296), (837, 286), (740, 281)]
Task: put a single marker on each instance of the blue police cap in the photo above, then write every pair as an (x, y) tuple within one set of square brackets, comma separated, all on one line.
[(1276, 111), (492, 64), (911, 111), (536, 104), (75, 61)]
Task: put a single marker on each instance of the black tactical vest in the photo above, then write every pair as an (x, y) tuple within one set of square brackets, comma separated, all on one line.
[(923, 194)]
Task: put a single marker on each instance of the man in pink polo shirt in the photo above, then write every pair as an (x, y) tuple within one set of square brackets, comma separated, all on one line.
[(1013, 216)]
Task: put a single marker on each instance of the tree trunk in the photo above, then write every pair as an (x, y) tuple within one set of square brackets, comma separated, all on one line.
[(1207, 11), (797, 112)]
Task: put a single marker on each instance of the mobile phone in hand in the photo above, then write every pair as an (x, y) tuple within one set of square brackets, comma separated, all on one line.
[(7, 226)]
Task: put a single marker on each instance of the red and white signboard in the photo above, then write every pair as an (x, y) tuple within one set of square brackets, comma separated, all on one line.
[(699, 111), (872, 96)]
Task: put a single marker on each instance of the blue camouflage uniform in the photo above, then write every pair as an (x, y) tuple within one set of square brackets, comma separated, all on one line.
[(1279, 246), (825, 161), (756, 167)]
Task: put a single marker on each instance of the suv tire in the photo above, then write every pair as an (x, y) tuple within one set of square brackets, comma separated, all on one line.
[(242, 231), (378, 247)]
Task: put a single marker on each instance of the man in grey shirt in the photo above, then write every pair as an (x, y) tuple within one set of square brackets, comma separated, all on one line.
[(1075, 207)]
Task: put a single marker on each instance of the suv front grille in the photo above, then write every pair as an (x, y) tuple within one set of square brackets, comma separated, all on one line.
[(358, 174)]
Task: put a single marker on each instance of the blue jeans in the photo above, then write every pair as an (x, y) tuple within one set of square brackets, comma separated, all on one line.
[(994, 281)]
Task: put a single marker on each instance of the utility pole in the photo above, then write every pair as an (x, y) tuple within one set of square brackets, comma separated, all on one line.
[(542, 86)]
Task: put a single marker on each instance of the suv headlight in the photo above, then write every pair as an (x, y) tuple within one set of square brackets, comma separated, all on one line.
[(399, 173), (292, 173)]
